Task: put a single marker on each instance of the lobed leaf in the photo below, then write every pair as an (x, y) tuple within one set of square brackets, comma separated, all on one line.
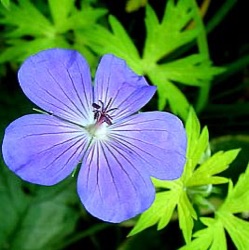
[(30, 30), (212, 166), (19, 49), (199, 175), (186, 215), (197, 141), (193, 70), (168, 92), (169, 34), (25, 19), (237, 200), (161, 210), (213, 237), (60, 11), (237, 228), (117, 42)]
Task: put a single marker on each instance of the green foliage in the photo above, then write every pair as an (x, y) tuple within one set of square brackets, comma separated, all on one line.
[(30, 30), (194, 185), (171, 33), (175, 58), (5, 3), (213, 236), (133, 5), (35, 217), (162, 40), (117, 41), (66, 26)]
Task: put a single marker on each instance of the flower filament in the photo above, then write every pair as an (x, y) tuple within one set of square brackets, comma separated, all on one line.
[(101, 113)]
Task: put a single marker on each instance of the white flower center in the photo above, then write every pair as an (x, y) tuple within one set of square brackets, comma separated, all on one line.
[(98, 131)]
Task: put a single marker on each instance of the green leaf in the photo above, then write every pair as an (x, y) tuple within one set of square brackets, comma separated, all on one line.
[(193, 187), (133, 5), (163, 207), (193, 70), (212, 238), (60, 11), (168, 92), (212, 166), (20, 49), (163, 38), (193, 129), (27, 20), (35, 217), (161, 210), (29, 30), (237, 200), (117, 42), (227, 142), (197, 141), (6, 3), (186, 215), (237, 228)]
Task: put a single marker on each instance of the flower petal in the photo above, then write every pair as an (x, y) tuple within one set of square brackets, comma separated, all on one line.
[(127, 91), (43, 149), (59, 81), (157, 138), (112, 184)]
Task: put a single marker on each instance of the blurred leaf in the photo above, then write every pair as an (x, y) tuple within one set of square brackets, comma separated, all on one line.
[(27, 20), (35, 217), (27, 48), (133, 5), (146, 240), (60, 11), (5, 3)]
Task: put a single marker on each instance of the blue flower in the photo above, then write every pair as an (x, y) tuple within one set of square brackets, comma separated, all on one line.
[(99, 127)]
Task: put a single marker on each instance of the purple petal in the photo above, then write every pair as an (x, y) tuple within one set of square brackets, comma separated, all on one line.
[(158, 139), (59, 81), (127, 91), (112, 184), (43, 149)]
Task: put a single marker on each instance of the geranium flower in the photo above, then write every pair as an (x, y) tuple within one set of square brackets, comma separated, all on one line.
[(99, 127)]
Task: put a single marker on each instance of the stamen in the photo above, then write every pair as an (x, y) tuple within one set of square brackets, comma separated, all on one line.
[(95, 105), (101, 112)]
